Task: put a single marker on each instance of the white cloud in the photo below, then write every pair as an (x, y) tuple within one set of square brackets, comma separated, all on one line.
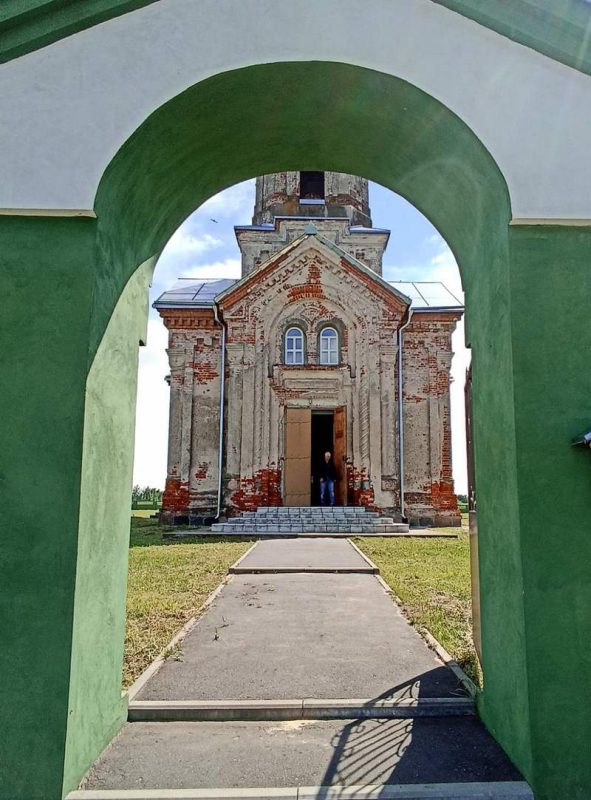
[(228, 268), (235, 202), (182, 243), (151, 429)]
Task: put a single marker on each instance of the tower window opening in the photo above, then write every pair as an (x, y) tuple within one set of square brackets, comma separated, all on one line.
[(311, 185)]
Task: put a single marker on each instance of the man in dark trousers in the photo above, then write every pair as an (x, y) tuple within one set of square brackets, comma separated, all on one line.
[(328, 476)]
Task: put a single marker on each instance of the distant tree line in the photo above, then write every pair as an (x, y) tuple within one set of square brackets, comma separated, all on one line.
[(145, 497), (463, 502)]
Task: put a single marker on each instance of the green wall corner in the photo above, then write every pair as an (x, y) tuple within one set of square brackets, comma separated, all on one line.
[(96, 708), (46, 283)]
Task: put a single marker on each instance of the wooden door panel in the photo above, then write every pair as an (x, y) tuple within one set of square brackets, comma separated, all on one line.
[(297, 457), (340, 454)]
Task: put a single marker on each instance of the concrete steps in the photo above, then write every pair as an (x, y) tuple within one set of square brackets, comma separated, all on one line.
[(345, 520)]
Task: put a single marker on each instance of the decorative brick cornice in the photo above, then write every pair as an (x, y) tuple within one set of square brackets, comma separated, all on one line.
[(189, 318)]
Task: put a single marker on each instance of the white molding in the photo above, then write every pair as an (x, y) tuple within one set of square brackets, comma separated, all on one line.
[(562, 222), (47, 212)]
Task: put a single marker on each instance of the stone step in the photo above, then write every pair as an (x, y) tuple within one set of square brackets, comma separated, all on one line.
[(302, 515), (355, 755), (248, 528), (293, 709), (503, 790)]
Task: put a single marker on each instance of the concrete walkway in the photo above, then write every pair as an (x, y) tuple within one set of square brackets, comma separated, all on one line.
[(289, 636), (307, 635), (304, 555)]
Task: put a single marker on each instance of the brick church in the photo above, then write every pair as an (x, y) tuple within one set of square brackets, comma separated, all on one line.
[(310, 350)]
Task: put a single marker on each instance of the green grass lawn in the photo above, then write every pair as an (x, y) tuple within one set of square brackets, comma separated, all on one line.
[(167, 584), (432, 579)]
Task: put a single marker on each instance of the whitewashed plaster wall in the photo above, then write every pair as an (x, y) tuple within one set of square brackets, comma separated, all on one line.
[(66, 109)]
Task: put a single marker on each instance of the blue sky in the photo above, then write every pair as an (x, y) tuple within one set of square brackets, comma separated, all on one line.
[(205, 246)]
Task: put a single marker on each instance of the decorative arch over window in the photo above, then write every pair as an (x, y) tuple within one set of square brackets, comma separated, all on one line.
[(329, 346), (294, 346)]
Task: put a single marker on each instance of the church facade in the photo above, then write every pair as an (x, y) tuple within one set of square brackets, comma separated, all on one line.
[(310, 350)]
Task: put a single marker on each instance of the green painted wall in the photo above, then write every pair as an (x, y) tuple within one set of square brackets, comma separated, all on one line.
[(28, 25), (96, 708), (63, 280), (550, 289), (46, 283)]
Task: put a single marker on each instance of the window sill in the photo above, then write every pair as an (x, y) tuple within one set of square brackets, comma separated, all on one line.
[(311, 366)]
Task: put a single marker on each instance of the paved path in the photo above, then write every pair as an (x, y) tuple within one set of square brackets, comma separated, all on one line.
[(304, 555), (300, 635), (306, 633), (302, 753)]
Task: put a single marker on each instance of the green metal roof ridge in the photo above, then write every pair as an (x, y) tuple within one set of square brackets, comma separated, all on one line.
[(29, 25), (559, 29)]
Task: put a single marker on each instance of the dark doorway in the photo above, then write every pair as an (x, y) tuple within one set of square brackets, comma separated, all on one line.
[(311, 185), (322, 440)]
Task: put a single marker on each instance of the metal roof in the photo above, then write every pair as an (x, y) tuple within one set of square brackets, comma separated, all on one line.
[(193, 293), (428, 295), (201, 293)]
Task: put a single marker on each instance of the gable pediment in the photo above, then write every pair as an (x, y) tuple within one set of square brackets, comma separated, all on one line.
[(312, 268)]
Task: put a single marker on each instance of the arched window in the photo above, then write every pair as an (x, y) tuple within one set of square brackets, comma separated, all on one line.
[(294, 346), (329, 346)]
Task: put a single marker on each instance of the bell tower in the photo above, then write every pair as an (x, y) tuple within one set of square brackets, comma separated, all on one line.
[(312, 194), (286, 202)]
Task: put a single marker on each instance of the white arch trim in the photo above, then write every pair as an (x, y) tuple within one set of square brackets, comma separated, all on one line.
[(66, 109)]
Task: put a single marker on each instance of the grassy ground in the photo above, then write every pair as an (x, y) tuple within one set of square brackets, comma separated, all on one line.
[(167, 583), (432, 579)]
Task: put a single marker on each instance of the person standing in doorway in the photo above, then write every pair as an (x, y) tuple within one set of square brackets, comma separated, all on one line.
[(328, 476)]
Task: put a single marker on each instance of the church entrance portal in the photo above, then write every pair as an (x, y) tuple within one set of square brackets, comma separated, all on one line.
[(308, 435), (322, 440)]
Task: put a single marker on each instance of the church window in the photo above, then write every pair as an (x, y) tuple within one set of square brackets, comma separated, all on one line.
[(311, 185), (294, 346), (329, 347)]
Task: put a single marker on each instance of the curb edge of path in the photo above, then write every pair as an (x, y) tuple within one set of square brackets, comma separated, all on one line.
[(298, 709), (450, 662), (160, 659), (500, 790), (375, 568)]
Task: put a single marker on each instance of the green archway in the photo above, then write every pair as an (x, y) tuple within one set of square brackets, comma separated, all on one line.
[(72, 429)]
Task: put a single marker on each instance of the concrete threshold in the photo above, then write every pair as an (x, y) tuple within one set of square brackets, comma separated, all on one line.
[(499, 790), (367, 570), (282, 710), (420, 534)]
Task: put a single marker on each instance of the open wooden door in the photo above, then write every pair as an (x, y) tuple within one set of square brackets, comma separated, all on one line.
[(340, 454), (298, 456)]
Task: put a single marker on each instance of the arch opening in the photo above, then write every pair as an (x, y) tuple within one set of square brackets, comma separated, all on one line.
[(365, 123)]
